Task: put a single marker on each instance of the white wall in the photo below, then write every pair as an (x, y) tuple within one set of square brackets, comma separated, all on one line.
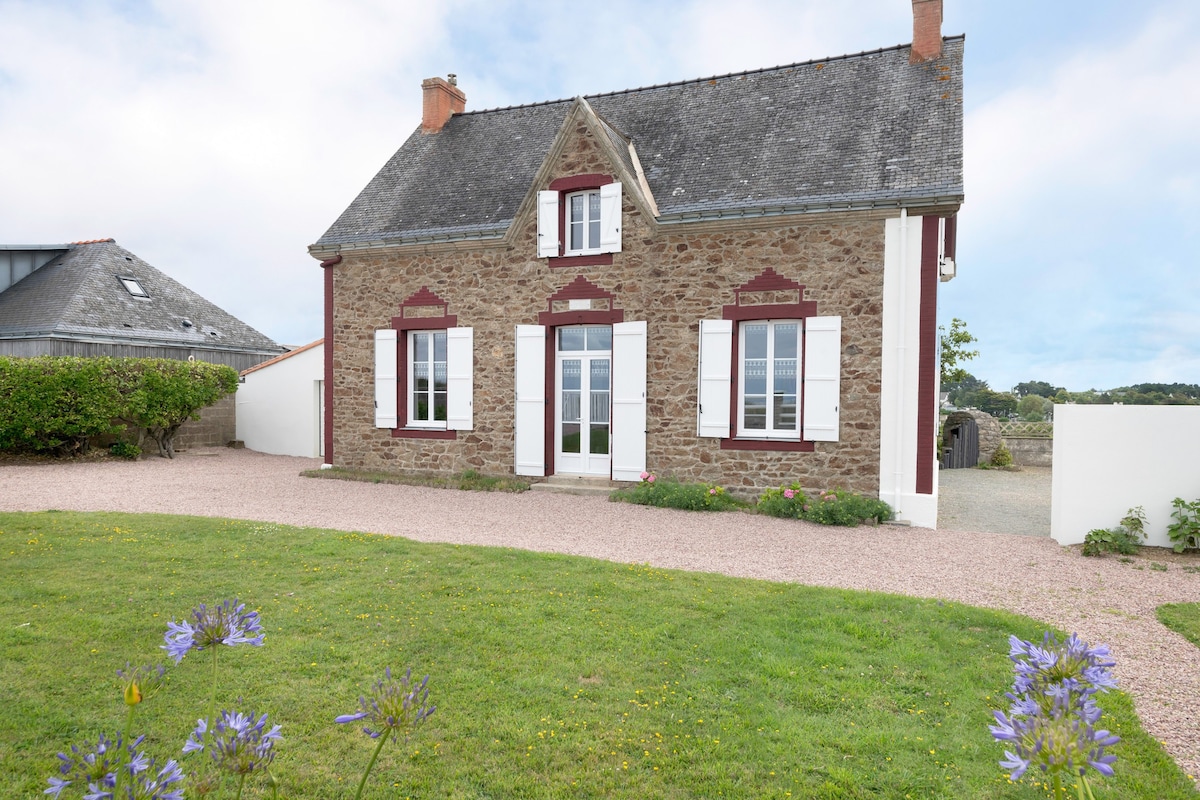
[(1108, 459), (900, 370), (278, 406)]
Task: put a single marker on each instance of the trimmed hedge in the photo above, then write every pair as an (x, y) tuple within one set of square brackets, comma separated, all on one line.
[(57, 404)]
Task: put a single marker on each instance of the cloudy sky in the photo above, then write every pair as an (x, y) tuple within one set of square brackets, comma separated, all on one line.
[(218, 139)]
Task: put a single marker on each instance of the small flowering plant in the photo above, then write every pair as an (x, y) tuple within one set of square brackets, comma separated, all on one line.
[(834, 507), (1052, 723), (394, 706), (671, 493), (239, 744)]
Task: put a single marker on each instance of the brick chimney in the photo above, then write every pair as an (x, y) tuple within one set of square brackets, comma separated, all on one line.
[(442, 99), (927, 30)]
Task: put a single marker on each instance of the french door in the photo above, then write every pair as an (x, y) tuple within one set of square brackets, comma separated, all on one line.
[(583, 400)]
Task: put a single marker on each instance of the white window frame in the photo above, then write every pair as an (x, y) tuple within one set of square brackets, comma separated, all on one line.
[(460, 367), (770, 432), (553, 210), (819, 379), (588, 246), (411, 367)]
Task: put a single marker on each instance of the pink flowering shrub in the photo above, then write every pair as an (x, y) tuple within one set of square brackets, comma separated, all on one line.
[(837, 507)]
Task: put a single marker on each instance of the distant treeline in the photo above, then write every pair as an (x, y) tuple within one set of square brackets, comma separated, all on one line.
[(1034, 400)]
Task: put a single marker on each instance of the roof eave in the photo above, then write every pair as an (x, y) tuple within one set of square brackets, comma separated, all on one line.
[(823, 207)]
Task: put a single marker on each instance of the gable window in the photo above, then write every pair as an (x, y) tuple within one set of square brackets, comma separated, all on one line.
[(427, 379), (583, 223), (579, 221)]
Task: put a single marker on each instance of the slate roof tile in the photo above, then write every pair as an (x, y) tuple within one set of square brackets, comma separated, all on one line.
[(864, 128), (78, 294)]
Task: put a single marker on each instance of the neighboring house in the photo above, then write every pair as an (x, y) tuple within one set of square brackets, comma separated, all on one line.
[(98, 299), (279, 403), (731, 280)]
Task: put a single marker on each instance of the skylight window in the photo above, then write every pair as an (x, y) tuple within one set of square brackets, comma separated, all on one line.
[(132, 286)]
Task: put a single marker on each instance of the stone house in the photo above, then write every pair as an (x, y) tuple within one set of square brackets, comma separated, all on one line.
[(730, 280)]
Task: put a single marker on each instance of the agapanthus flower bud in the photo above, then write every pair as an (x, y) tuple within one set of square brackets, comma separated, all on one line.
[(397, 705), (141, 682)]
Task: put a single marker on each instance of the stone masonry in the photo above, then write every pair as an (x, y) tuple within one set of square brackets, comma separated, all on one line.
[(671, 277)]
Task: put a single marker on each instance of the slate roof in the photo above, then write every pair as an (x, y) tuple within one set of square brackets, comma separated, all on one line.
[(78, 295), (857, 131)]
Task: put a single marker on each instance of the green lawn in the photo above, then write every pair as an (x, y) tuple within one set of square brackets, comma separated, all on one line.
[(554, 676), (1183, 618)]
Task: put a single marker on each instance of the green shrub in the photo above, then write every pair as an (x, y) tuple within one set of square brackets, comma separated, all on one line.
[(1002, 457), (786, 501), (1185, 530), (123, 449), (55, 404), (670, 493), (1124, 539), (838, 507)]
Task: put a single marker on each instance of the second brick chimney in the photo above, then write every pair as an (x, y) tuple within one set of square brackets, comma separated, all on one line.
[(442, 99), (927, 30)]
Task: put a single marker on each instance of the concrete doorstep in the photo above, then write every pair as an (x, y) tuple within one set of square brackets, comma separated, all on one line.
[(578, 484)]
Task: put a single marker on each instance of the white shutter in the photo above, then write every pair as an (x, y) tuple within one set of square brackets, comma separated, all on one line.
[(628, 401), (529, 424), (547, 224), (385, 378), (610, 218), (460, 366), (716, 373), (822, 378)]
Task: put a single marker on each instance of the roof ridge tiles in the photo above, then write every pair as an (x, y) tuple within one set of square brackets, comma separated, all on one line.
[(95, 241), (706, 79)]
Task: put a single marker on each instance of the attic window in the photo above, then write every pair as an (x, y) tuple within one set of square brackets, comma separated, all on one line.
[(132, 286)]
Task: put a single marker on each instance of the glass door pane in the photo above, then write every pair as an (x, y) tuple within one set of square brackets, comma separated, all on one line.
[(598, 406), (572, 395)]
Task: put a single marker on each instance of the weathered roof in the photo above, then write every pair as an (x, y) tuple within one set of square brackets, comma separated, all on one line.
[(853, 131), (79, 295)]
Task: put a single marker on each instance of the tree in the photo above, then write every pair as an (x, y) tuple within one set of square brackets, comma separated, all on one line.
[(1040, 388), (962, 392), (164, 394), (1034, 407), (999, 404), (953, 350)]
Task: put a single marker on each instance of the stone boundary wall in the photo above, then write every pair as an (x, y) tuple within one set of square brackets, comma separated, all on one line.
[(1028, 452), (216, 427)]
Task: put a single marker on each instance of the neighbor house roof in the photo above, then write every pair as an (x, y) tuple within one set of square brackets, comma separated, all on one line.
[(857, 131), (80, 295)]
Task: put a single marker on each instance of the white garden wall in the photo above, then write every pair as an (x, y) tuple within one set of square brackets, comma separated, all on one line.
[(1108, 459), (279, 404)]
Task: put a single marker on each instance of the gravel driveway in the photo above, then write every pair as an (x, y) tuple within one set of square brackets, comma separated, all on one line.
[(1103, 600)]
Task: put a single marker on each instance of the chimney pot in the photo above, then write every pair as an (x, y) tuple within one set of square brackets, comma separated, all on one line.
[(441, 99), (927, 31)]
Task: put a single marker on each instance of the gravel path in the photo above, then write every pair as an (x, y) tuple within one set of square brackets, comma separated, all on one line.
[(1103, 600)]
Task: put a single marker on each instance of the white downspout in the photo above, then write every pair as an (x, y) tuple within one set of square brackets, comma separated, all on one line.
[(900, 360)]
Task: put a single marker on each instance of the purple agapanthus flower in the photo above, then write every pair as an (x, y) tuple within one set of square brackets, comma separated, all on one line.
[(228, 624), (237, 742), (96, 768), (393, 705), (1052, 721)]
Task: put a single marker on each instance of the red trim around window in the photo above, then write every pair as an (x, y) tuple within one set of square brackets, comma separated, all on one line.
[(927, 370), (422, 298), (766, 281), (564, 186)]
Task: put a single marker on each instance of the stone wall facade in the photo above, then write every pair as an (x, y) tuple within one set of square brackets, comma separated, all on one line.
[(670, 276), (216, 427)]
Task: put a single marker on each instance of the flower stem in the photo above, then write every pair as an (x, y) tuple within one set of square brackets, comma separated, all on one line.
[(241, 783), (383, 737), (212, 698)]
